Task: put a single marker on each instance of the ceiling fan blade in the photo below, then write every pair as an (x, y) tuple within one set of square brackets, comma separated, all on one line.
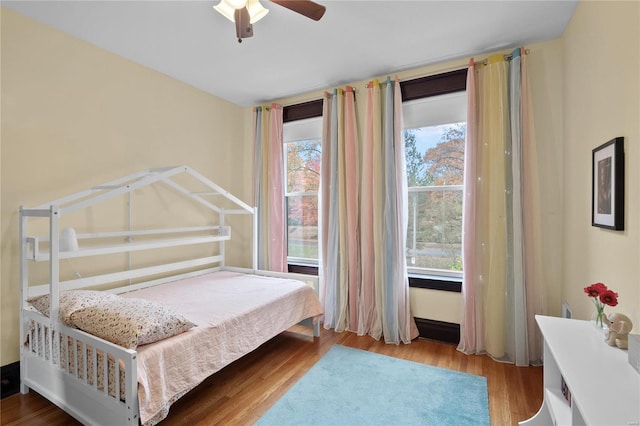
[(307, 8)]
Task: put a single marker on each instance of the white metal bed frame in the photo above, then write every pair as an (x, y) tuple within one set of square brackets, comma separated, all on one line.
[(69, 384)]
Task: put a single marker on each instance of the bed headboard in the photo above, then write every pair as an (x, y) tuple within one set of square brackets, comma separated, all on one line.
[(66, 245)]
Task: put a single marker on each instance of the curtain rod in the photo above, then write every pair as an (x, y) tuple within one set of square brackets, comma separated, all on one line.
[(267, 107), (507, 57), (348, 88), (383, 83)]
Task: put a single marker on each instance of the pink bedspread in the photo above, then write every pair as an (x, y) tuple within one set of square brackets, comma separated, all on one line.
[(235, 313)]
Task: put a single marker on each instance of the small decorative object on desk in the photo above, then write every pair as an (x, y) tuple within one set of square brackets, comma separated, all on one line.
[(618, 328), (601, 296)]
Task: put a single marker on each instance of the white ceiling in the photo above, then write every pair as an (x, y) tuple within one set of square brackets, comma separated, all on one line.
[(290, 54)]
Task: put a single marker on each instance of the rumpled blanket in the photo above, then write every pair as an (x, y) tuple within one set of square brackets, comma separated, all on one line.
[(234, 312)]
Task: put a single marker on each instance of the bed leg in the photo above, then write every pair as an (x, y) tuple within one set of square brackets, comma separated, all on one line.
[(316, 329), (24, 389)]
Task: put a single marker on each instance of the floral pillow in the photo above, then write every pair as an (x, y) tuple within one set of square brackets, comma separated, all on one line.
[(130, 322), (71, 301)]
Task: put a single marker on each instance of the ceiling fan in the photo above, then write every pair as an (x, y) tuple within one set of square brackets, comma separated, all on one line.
[(244, 13)]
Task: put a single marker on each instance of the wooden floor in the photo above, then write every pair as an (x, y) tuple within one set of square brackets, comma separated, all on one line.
[(243, 391)]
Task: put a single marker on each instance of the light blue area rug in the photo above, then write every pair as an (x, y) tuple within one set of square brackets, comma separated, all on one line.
[(354, 387)]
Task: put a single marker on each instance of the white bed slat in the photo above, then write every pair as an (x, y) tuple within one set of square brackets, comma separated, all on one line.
[(125, 275), (94, 365), (35, 212), (40, 256), (85, 364), (116, 377), (105, 373), (96, 235), (132, 287)]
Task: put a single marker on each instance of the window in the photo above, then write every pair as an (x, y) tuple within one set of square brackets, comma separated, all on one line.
[(434, 110), (302, 142), (434, 135)]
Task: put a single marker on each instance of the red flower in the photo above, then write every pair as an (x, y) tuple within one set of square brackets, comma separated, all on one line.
[(595, 290), (609, 297)]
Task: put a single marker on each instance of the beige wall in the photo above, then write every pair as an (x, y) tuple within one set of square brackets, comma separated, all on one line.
[(545, 65), (74, 115), (601, 101)]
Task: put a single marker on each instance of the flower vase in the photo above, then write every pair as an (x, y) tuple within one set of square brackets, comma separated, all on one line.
[(597, 320)]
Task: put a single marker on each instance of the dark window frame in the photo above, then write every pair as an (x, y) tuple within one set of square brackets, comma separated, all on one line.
[(433, 85), (303, 269), (301, 111)]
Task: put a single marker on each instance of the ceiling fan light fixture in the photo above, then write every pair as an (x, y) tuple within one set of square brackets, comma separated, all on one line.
[(256, 10), (236, 4), (225, 9)]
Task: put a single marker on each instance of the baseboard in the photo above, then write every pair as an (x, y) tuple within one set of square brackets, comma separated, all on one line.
[(10, 379), (439, 330)]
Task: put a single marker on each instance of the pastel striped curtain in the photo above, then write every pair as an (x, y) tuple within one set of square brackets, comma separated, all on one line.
[(363, 216), (501, 287), (339, 206), (269, 187)]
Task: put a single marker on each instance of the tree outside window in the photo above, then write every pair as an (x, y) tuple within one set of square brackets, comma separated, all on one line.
[(435, 176), (302, 183)]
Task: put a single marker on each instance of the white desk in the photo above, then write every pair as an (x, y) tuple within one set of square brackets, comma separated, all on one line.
[(605, 389)]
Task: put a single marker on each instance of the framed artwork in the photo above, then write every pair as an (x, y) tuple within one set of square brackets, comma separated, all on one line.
[(607, 205)]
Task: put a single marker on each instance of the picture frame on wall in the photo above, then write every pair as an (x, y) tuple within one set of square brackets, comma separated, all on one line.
[(607, 185)]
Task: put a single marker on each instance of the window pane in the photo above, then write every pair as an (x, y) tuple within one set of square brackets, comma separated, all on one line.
[(435, 228), (302, 226), (302, 151), (435, 175), (303, 166)]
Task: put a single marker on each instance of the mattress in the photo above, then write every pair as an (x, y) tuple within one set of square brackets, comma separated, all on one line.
[(234, 313)]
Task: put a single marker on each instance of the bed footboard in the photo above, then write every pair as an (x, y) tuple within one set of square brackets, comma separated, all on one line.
[(69, 368)]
